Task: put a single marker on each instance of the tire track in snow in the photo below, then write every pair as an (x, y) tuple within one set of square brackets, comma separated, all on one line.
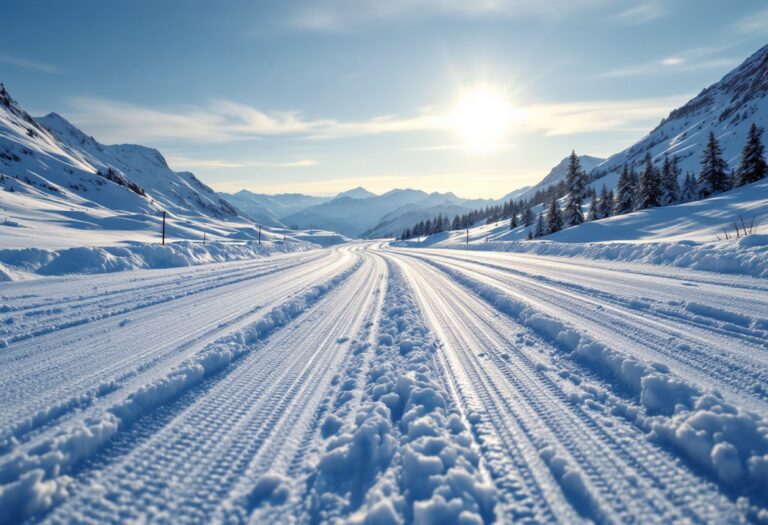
[(107, 358), (235, 425), (86, 308), (35, 472), (406, 454), (569, 433), (721, 362)]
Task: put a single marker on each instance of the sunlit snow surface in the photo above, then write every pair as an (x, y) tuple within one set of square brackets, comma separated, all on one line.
[(367, 383)]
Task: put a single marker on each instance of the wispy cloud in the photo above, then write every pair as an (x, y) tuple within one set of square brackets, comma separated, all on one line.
[(599, 115), (756, 23), (680, 62), (641, 13), (346, 15), (181, 161), (220, 121), (32, 65), (225, 121)]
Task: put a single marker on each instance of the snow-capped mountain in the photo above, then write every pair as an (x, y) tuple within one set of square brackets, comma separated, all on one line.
[(178, 192), (726, 108), (35, 162), (52, 156), (63, 188), (271, 209), (560, 171), (556, 174), (376, 216), (357, 193)]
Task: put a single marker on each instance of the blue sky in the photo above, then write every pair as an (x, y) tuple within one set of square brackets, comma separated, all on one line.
[(317, 97)]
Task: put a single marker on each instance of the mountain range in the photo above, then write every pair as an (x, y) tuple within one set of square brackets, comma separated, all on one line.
[(92, 185)]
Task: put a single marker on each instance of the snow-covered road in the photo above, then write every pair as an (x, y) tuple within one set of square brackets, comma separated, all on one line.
[(393, 385)]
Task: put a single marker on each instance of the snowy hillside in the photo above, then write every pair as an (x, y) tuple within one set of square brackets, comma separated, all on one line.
[(178, 192), (702, 220), (726, 108), (555, 175), (36, 163)]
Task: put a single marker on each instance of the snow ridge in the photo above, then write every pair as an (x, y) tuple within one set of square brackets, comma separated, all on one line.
[(746, 256), (406, 454)]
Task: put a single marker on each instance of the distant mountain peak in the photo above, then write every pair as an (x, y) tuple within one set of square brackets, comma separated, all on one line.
[(356, 193)]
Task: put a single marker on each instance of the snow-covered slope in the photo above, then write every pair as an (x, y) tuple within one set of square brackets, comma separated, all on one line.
[(178, 192), (726, 108), (34, 162), (555, 175), (704, 220), (60, 188), (252, 209)]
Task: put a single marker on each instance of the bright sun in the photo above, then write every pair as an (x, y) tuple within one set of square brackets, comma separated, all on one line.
[(482, 117)]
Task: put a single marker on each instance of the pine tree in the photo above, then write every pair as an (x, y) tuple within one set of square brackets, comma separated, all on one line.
[(594, 211), (670, 187), (554, 217), (606, 203), (527, 216), (752, 166), (539, 225), (649, 191), (625, 201), (530, 235), (575, 183), (513, 222), (690, 191), (713, 177)]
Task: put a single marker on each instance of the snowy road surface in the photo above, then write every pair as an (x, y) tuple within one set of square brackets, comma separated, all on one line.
[(371, 384)]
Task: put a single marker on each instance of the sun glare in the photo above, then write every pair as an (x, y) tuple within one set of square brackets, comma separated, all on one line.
[(482, 117)]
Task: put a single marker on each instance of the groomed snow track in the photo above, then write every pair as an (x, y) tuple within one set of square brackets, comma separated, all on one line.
[(370, 384)]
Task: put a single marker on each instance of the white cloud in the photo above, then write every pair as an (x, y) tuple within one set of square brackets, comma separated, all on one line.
[(32, 65), (682, 61), (599, 115), (641, 13), (221, 121), (225, 121)]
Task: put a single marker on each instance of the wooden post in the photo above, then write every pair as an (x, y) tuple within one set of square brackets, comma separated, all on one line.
[(163, 228), (259, 234)]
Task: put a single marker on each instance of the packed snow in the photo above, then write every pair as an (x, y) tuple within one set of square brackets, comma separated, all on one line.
[(366, 383)]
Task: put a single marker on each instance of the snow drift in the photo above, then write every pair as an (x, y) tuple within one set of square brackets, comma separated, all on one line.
[(30, 262)]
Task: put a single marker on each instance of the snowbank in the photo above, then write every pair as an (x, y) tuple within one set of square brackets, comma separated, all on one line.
[(37, 475), (28, 262), (745, 256)]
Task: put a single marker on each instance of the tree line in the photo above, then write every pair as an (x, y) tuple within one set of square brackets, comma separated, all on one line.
[(637, 189)]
